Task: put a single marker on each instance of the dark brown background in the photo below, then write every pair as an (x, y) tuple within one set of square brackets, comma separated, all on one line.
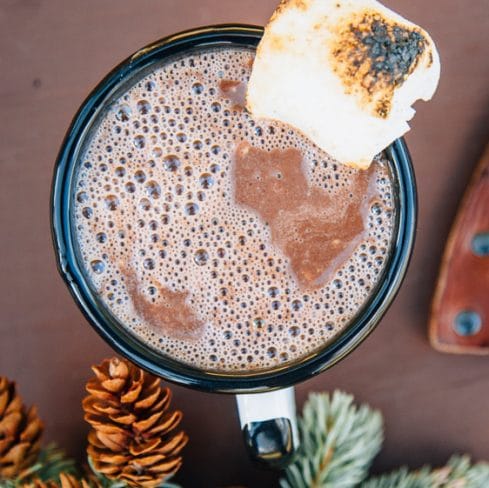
[(52, 52)]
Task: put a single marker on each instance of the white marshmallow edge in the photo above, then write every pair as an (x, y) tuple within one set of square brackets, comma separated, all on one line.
[(299, 78)]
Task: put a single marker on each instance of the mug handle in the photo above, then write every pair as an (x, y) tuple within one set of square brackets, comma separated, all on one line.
[(269, 426)]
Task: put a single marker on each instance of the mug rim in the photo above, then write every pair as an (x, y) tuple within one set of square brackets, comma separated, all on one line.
[(129, 345)]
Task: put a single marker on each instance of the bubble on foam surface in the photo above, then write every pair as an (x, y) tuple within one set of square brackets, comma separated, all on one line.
[(154, 196)]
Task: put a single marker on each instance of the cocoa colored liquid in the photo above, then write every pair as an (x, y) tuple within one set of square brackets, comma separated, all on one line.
[(224, 242)]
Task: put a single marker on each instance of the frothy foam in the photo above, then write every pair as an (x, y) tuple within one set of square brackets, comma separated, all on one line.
[(190, 263)]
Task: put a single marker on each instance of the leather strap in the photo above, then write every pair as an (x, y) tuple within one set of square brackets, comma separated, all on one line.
[(460, 311)]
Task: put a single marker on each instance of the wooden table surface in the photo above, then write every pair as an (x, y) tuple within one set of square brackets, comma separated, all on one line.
[(52, 52)]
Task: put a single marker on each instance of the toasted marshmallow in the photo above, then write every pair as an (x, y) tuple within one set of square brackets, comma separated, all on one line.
[(344, 72)]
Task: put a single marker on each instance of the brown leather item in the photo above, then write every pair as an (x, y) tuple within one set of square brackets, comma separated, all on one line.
[(460, 311)]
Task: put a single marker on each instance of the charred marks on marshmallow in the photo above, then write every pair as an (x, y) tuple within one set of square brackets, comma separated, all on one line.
[(286, 4), (374, 55)]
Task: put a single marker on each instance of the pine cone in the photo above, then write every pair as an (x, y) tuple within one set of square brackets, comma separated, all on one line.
[(65, 481), (132, 436), (20, 432)]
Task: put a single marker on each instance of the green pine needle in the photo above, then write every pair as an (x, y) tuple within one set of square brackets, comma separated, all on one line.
[(7, 484), (475, 476), (167, 484), (51, 462), (458, 473), (338, 443), (401, 478)]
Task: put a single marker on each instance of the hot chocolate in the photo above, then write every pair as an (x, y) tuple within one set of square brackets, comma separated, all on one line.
[(224, 242)]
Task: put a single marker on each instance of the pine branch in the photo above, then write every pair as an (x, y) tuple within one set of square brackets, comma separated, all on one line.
[(475, 476), (167, 484), (51, 462), (7, 483), (458, 473), (54, 461), (338, 443), (402, 478)]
